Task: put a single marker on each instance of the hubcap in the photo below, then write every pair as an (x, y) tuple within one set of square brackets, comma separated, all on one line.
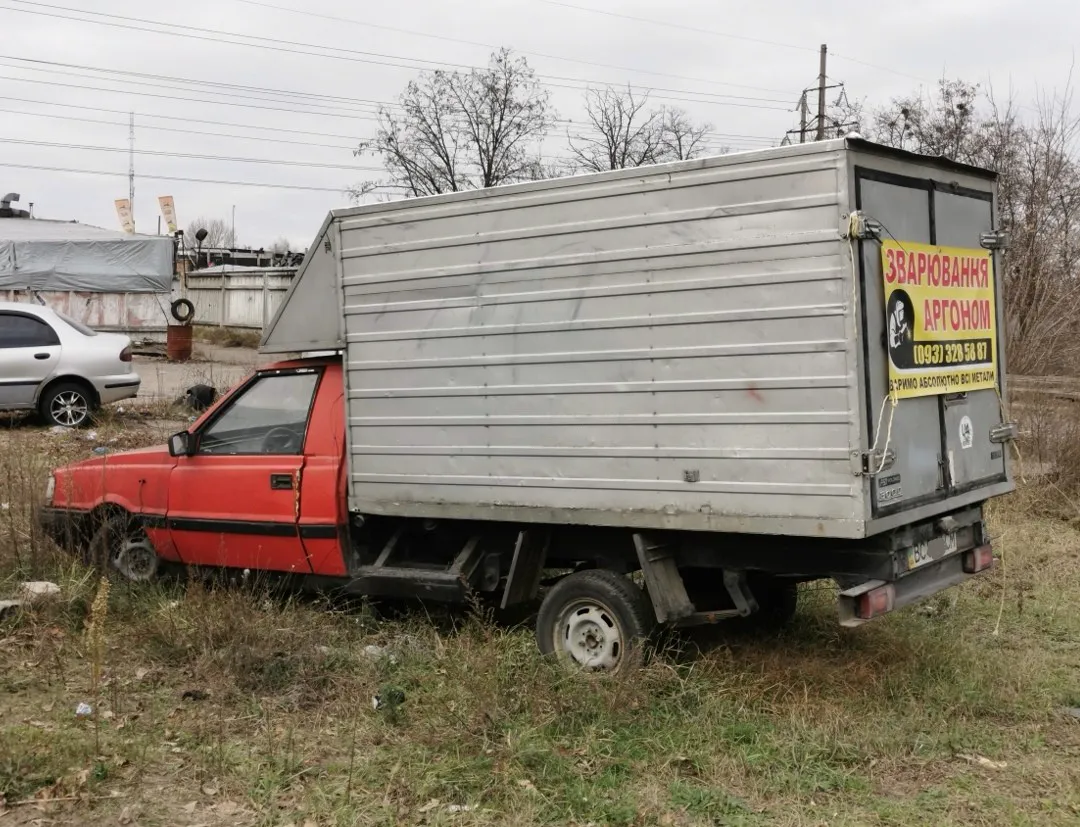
[(69, 408), (589, 634), (136, 560)]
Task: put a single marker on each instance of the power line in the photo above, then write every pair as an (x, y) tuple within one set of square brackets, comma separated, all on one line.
[(229, 88), (189, 155), (669, 25), (712, 136), (278, 46), (447, 39), (178, 178), (178, 117), (188, 100), (698, 30), (261, 138), (233, 98)]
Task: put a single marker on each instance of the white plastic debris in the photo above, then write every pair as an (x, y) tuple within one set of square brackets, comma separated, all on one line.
[(460, 808), (84, 710), (91, 436), (58, 429), (5, 506), (34, 591)]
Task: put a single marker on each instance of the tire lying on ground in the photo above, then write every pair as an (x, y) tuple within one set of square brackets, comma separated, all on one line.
[(595, 620)]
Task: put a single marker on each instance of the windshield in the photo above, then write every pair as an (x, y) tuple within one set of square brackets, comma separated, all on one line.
[(79, 326)]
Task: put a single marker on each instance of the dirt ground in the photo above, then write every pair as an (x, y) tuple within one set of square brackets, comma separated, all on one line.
[(229, 704), (217, 366)]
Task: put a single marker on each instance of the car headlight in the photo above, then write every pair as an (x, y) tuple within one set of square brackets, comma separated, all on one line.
[(50, 490)]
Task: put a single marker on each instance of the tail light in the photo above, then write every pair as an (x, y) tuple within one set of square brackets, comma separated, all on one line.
[(125, 354), (876, 602), (978, 559)]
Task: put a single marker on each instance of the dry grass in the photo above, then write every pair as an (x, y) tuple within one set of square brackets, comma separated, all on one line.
[(228, 336), (234, 706)]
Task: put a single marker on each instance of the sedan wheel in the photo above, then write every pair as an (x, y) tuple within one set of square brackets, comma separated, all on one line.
[(67, 405)]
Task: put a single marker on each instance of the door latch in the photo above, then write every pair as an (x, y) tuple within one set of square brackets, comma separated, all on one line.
[(1005, 432), (281, 482), (871, 463)]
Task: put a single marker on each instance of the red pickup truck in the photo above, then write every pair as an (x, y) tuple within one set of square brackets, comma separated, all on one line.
[(256, 483)]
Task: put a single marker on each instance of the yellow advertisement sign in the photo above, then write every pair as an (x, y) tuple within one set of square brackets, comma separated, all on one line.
[(123, 212), (940, 319), (168, 212)]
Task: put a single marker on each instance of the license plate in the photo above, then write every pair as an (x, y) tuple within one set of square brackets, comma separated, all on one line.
[(923, 554)]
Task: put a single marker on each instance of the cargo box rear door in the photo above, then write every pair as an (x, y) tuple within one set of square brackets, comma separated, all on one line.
[(931, 336)]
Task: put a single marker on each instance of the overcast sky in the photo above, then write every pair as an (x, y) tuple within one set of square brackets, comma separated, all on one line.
[(712, 59)]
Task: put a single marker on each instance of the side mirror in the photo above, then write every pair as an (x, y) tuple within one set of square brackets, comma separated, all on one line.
[(181, 444)]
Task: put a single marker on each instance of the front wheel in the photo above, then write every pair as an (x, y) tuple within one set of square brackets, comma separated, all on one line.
[(595, 620), (120, 546), (67, 404)]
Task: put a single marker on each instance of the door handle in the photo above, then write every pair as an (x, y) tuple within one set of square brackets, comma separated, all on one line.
[(281, 482), (41, 355)]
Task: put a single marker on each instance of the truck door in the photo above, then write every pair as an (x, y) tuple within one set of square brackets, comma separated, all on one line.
[(236, 502), (940, 430), (971, 459)]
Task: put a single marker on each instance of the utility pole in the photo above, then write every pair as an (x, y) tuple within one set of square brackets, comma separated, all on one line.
[(804, 114), (232, 235), (821, 94), (131, 168)]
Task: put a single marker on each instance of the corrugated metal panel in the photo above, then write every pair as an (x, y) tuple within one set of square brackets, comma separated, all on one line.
[(667, 347), (139, 315), (242, 299)]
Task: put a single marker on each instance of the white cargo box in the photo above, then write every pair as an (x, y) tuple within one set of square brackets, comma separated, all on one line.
[(701, 345)]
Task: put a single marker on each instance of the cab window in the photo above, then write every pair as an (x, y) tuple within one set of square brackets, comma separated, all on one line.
[(270, 416)]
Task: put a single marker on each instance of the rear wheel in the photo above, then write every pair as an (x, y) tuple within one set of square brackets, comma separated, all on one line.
[(595, 620), (68, 404), (121, 547)]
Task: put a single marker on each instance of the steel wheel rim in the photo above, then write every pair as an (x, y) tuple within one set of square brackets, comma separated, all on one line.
[(136, 560), (69, 408), (589, 635)]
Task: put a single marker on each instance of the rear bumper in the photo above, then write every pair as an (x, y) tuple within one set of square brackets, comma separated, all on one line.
[(114, 388), (912, 588)]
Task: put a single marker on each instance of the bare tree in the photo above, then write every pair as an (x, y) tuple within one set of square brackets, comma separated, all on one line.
[(454, 131), (682, 139), (218, 233), (1038, 163), (622, 132)]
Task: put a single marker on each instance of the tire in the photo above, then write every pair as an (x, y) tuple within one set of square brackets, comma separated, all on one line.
[(70, 404), (119, 547), (596, 621), (182, 310)]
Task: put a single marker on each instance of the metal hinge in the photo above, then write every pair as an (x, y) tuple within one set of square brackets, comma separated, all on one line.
[(994, 240), (872, 463), (1005, 432)]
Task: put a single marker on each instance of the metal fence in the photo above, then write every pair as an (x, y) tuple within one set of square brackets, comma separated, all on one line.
[(247, 299)]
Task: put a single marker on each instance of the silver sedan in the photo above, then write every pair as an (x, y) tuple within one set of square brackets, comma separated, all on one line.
[(60, 367)]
